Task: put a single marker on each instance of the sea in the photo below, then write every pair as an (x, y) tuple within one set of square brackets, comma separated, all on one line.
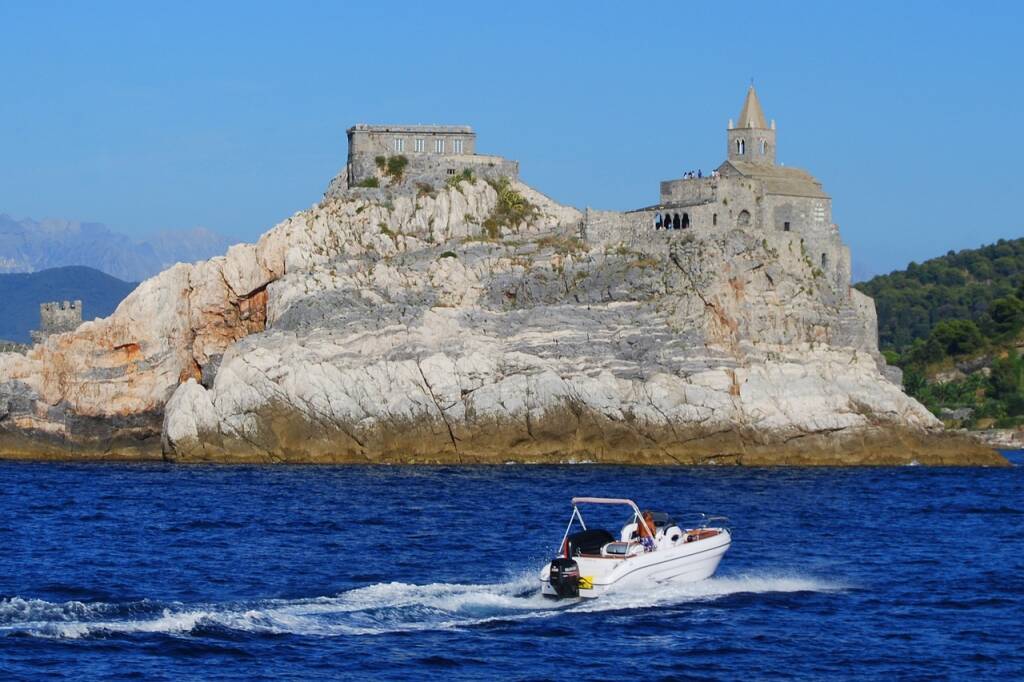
[(169, 572)]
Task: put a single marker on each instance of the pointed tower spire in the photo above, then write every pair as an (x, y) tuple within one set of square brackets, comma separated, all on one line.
[(751, 116), (751, 140)]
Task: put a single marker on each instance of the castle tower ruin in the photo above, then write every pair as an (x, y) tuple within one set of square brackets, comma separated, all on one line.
[(57, 317)]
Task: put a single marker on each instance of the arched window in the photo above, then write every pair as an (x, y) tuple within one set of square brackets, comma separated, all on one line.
[(657, 221), (714, 219), (686, 220), (675, 222), (824, 260), (742, 147), (743, 219), (764, 147)]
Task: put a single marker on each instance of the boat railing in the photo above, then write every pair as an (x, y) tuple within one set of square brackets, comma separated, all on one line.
[(701, 520)]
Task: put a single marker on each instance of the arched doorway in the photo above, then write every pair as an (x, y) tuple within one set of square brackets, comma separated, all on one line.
[(686, 220), (743, 220), (657, 221), (675, 222)]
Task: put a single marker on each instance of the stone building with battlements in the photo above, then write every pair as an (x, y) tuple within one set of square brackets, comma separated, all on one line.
[(57, 317), (427, 153)]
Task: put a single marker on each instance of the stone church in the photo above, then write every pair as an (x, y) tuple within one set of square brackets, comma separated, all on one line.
[(748, 191)]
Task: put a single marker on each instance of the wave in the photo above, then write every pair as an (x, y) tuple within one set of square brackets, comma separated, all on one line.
[(373, 610)]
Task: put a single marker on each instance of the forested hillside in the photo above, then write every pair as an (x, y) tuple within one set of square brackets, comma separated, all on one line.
[(958, 286), (954, 325)]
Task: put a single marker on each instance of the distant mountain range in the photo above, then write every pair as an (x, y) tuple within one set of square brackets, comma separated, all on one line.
[(22, 293), (30, 246)]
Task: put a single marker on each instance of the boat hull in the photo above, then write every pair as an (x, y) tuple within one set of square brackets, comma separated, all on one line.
[(688, 562)]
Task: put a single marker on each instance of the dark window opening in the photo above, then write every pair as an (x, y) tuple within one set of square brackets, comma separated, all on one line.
[(824, 260), (714, 219), (675, 222), (785, 226), (451, 171)]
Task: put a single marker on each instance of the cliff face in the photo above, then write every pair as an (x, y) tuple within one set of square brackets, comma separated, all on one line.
[(380, 326)]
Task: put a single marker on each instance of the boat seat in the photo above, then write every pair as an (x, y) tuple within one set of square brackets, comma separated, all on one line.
[(662, 521), (621, 549), (672, 534), (588, 541)]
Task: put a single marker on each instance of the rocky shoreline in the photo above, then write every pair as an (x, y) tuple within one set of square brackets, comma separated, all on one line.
[(884, 447), (397, 328)]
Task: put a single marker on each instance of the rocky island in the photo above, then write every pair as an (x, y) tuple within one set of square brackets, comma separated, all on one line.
[(434, 308)]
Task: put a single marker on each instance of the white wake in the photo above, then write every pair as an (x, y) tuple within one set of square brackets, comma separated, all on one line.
[(373, 610)]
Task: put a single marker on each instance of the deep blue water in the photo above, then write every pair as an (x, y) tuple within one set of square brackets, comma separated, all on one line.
[(298, 573)]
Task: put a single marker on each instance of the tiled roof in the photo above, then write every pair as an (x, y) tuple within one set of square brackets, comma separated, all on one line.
[(779, 179)]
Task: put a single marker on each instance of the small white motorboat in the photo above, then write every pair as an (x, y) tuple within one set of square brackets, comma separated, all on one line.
[(651, 549)]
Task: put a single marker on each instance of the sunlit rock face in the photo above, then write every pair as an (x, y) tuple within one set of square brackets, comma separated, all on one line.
[(407, 326)]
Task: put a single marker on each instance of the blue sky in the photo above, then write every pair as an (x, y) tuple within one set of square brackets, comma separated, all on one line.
[(233, 115)]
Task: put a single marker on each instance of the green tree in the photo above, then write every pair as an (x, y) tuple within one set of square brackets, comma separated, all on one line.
[(958, 337), (922, 353), (396, 167), (1007, 315), (1007, 379)]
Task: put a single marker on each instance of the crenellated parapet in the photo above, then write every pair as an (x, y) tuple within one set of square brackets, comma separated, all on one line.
[(394, 155), (57, 317)]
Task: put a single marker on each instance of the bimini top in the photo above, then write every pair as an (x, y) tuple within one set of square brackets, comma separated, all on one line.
[(604, 501)]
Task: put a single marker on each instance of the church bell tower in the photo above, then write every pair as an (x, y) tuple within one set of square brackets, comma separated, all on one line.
[(751, 140)]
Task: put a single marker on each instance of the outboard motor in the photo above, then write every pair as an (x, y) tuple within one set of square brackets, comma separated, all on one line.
[(565, 577)]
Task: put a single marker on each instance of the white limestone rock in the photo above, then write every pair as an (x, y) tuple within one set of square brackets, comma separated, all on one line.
[(398, 330)]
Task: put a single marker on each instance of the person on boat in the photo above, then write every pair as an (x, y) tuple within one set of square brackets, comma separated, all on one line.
[(646, 531)]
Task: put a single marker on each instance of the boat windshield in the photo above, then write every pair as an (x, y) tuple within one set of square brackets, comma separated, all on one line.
[(662, 519), (659, 518)]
